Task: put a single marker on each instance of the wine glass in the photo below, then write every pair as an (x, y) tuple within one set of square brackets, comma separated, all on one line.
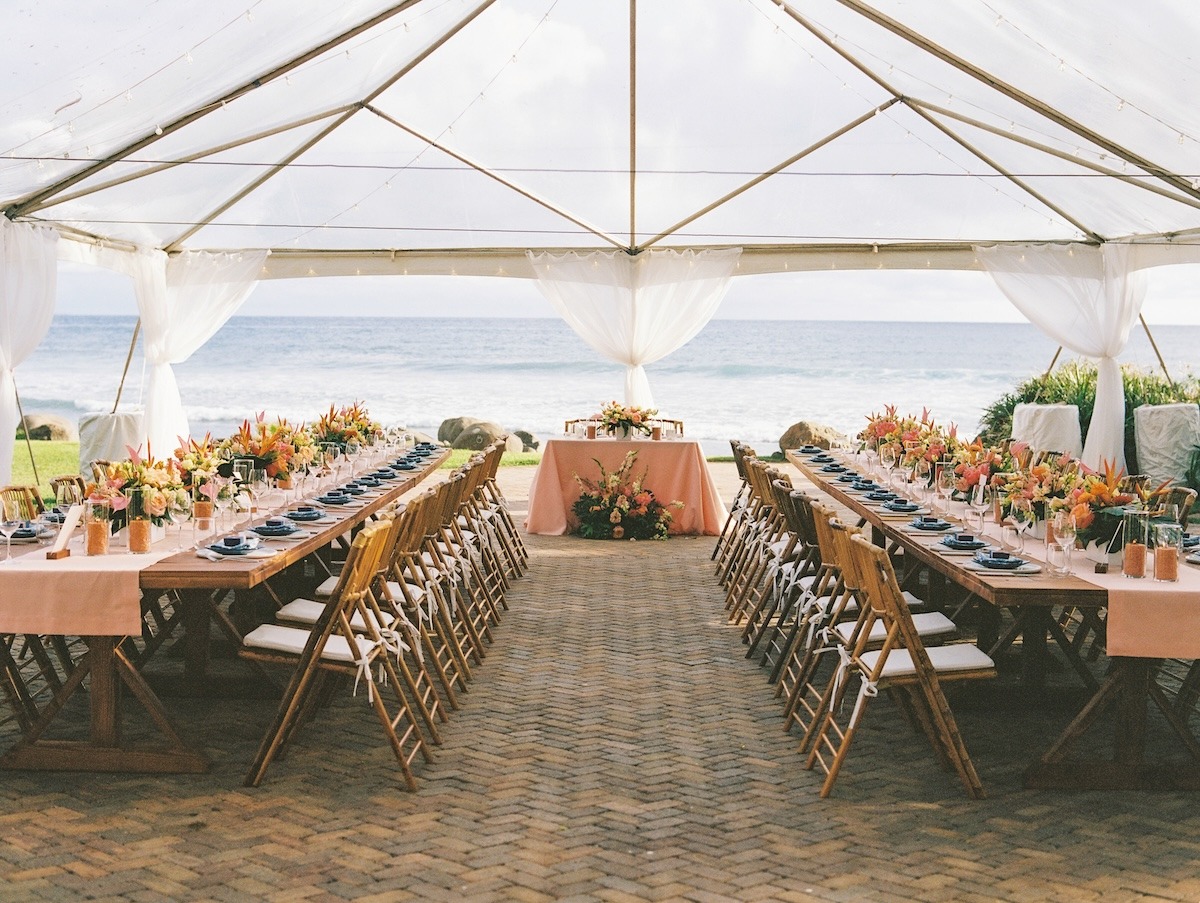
[(179, 506), (980, 501), (10, 523), (223, 493), (887, 460), (66, 494), (1064, 529), (1022, 514)]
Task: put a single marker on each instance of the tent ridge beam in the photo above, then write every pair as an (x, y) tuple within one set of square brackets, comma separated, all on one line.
[(1013, 93), (1134, 179), (779, 167), (163, 166), (1020, 183), (351, 109), (491, 174)]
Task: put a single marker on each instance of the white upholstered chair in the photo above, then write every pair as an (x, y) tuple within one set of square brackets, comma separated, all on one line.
[(1165, 436), (1048, 427)]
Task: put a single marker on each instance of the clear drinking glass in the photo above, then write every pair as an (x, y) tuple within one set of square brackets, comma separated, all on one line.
[(10, 523), (980, 501)]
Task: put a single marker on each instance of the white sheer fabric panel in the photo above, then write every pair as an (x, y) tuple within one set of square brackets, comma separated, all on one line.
[(636, 310), (183, 301), (1086, 299), (28, 278)]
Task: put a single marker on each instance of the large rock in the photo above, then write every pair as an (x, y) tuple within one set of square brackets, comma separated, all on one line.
[(49, 426), (528, 442), (478, 435), (452, 428), (806, 433)]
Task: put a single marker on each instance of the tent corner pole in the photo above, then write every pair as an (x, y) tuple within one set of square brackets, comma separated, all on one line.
[(1157, 353), (25, 428), (137, 327)]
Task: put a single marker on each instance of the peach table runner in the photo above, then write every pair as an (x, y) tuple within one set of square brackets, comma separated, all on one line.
[(676, 470), (1148, 619), (75, 596)]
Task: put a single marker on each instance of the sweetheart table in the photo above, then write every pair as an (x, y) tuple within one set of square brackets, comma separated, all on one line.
[(675, 471)]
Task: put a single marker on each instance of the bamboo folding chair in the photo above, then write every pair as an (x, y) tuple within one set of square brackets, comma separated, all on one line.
[(334, 647), (737, 511), (416, 584), (749, 585), (393, 626), (74, 480), (841, 627), (26, 499), (900, 664), (494, 506)]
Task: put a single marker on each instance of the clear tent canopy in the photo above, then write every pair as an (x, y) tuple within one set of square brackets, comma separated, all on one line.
[(485, 137), (454, 135)]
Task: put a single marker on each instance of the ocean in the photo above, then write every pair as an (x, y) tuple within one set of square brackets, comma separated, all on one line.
[(745, 379)]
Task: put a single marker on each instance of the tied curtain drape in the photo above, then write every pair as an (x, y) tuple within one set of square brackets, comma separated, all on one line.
[(183, 301), (636, 310), (1086, 299), (28, 279)]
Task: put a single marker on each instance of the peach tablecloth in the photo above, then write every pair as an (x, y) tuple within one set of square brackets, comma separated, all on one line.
[(1147, 619), (676, 470), (75, 596)]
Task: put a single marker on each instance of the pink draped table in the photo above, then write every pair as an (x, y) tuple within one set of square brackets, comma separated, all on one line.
[(675, 471)]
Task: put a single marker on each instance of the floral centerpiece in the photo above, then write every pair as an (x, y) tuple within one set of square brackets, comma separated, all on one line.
[(276, 448), (918, 442), (197, 461), (349, 423), (615, 417), (1045, 485), (619, 506), (157, 478), (1098, 503)]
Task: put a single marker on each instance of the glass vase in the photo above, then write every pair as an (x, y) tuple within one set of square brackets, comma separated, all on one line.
[(137, 519)]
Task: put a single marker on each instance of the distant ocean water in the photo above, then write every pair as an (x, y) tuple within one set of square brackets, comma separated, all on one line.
[(746, 379)]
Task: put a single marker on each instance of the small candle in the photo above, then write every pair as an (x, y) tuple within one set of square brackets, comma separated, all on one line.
[(1134, 564), (1166, 563), (96, 533)]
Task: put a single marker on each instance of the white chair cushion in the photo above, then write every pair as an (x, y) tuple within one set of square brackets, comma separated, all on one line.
[(306, 611), (1165, 435), (414, 592), (325, 590), (959, 657), (929, 624), (278, 638), (1048, 427)]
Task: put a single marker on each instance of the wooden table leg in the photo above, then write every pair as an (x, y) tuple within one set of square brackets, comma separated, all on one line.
[(1127, 687)]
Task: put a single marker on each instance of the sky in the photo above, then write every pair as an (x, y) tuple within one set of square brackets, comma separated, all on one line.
[(1173, 296)]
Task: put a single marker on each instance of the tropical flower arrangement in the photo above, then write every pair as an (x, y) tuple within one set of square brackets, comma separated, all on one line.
[(1098, 502), (616, 416), (1044, 484), (974, 460), (349, 423), (619, 506), (918, 442), (273, 446), (158, 478), (198, 460)]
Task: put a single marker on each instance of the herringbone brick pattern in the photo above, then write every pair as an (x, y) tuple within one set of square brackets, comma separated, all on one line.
[(615, 746)]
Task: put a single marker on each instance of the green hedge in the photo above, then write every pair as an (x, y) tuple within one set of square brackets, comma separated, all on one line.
[(1075, 383)]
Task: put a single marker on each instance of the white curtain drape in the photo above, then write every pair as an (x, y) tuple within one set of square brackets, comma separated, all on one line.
[(182, 301), (28, 278), (636, 310), (1086, 299)]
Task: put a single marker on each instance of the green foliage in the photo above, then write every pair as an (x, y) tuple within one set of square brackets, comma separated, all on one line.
[(1075, 383), (460, 456)]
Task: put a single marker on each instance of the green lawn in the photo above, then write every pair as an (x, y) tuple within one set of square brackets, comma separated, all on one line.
[(53, 460)]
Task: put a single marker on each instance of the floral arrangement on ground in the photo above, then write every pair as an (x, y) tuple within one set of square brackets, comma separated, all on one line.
[(619, 506)]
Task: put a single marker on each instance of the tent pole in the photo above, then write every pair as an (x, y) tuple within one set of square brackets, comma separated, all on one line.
[(632, 123), (128, 357), (1053, 361), (24, 426), (1157, 353)]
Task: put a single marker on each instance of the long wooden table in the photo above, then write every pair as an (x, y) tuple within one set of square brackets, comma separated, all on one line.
[(1128, 687), (108, 663)]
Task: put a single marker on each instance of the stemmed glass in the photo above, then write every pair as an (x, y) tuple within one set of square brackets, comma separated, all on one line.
[(223, 491), (67, 494), (1064, 531), (179, 506), (980, 501), (1021, 512), (887, 460), (9, 525)]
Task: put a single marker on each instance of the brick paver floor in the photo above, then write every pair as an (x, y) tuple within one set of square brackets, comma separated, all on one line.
[(615, 745)]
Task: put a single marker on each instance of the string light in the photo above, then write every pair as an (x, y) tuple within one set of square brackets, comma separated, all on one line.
[(187, 57), (1120, 105), (158, 130)]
